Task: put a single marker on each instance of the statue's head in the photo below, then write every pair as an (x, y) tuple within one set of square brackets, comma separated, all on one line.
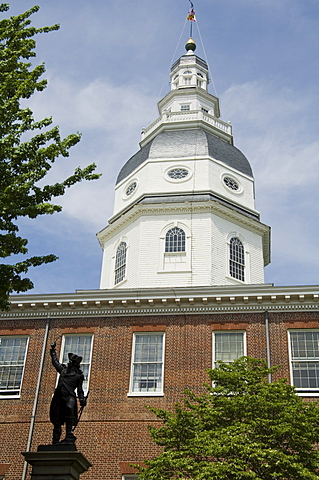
[(74, 359)]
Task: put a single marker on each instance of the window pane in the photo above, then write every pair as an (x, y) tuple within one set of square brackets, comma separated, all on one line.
[(304, 345), (175, 240), (147, 378), (148, 363), (305, 374), (12, 357), (305, 359), (148, 348), (120, 263), (228, 346), (80, 345), (236, 259)]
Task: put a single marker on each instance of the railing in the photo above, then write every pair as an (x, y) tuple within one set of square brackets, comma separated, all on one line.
[(192, 115)]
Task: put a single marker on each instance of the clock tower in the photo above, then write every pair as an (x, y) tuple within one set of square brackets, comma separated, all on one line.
[(184, 211)]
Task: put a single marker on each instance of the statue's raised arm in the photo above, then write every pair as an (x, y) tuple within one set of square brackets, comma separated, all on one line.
[(55, 362)]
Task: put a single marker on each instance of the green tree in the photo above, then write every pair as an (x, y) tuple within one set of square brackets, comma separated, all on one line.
[(28, 149), (241, 428)]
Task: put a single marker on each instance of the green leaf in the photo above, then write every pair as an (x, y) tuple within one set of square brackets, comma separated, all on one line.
[(242, 427), (23, 163)]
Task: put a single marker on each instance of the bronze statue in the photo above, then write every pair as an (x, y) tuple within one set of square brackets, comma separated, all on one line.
[(64, 408)]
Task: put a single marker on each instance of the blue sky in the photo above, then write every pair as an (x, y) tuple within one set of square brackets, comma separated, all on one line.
[(107, 67)]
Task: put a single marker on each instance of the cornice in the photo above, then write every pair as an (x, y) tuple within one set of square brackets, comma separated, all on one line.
[(163, 301), (213, 206)]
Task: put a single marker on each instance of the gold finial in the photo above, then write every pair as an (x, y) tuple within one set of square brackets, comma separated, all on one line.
[(190, 45)]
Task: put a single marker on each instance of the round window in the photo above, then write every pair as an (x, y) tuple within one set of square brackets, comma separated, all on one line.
[(130, 189), (231, 183), (177, 173)]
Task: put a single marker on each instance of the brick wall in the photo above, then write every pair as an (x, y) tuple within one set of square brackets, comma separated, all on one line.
[(113, 428)]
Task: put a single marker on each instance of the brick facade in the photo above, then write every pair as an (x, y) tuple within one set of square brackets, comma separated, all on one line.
[(113, 430)]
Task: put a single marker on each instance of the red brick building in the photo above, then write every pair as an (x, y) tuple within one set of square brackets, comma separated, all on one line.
[(188, 329), (181, 288)]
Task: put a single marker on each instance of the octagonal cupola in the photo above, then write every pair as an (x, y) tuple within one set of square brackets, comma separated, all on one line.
[(184, 210), (189, 70), (189, 104)]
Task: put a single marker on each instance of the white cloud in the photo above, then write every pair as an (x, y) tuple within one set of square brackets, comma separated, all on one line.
[(110, 118), (272, 128)]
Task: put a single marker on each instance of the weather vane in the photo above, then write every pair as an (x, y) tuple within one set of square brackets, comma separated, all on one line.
[(191, 17)]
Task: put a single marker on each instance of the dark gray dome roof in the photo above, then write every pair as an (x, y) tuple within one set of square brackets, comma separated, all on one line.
[(187, 143)]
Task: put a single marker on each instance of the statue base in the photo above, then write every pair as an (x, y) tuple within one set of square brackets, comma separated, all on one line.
[(57, 462)]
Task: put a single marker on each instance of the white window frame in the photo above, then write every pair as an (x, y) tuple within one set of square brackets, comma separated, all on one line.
[(302, 391), (3, 393), (246, 257), (122, 266), (123, 239), (175, 243), (173, 262), (178, 180), (224, 332), (127, 476), (185, 107), (133, 393), (237, 259), (64, 359)]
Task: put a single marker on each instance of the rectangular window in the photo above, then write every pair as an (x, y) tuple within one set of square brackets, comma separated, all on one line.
[(304, 356), (228, 346), (80, 345), (185, 108), (147, 364), (12, 359)]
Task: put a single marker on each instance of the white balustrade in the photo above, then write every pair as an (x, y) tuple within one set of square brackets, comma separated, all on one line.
[(168, 117)]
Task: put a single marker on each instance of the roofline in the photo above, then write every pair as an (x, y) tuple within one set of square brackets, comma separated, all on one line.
[(155, 301)]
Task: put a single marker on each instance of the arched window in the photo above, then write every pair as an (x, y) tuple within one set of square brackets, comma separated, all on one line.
[(236, 259), (120, 263), (175, 240)]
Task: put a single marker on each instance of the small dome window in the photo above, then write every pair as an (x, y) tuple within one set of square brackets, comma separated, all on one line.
[(178, 173), (130, 189), (231, 183)]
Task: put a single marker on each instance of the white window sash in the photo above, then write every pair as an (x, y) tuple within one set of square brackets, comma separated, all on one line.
[(227, 332), (15, 392), (157, 366), (306, 391)]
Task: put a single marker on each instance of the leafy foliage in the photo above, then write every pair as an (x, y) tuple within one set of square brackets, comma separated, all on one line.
[(243, 428), (25, 161)]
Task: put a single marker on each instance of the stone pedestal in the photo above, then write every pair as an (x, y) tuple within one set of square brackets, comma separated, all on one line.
[(57, 462)]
